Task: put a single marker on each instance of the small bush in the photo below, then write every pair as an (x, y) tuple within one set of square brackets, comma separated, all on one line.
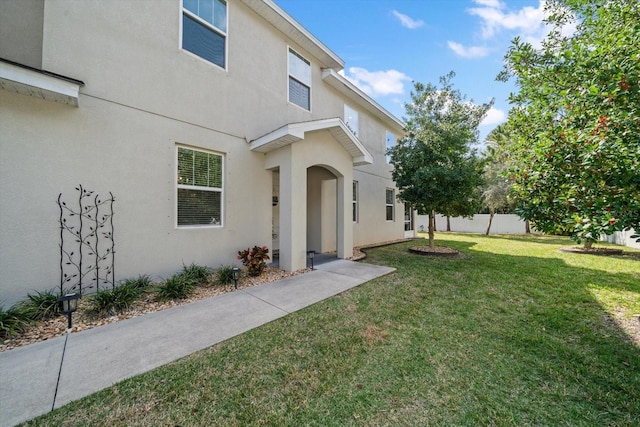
[(114, 300), (197, 273), (254, 259), (224, 275), (178, 286), (15, 319), (43, 305), (140, 283)]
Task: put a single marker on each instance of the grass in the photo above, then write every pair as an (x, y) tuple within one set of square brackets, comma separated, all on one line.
[(514, 334)]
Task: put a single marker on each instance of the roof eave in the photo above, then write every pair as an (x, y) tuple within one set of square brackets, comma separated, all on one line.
[(282, 21), (293, 132), (43, 84), (351, 91)]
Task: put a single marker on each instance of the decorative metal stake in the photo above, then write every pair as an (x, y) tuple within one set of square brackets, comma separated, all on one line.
[(235, 271), (69, 305), (311, 255)]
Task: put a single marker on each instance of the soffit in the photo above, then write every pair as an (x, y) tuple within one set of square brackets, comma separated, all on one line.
[(42, 84), (295, 132), (348, 89), (292, 29)]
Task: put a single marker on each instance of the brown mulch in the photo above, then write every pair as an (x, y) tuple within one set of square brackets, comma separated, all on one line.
[(84, 318), (428, 250)]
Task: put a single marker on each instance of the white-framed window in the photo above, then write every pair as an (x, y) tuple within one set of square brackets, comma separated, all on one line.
[(299, 80), (390, 142), (204, 29), (355, 201), (199, 187), (351, 119), (390, 205)]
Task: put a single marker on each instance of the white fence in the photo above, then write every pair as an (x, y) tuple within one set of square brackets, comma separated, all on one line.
[(507, 224), (502, 224), (622, 238)]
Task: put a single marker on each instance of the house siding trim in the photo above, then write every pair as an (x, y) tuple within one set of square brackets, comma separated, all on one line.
[(294, 132), (43, 84)]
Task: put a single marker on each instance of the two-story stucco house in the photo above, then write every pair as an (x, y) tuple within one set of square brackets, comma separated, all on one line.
[(215, 124)]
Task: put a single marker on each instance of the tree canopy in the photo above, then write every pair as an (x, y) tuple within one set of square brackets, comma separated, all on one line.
[(576, 119), (435, 165)]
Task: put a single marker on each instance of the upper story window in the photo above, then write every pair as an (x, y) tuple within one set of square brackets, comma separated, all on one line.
[(299, 80), (199, 188), (351, 119), (391, 141), (204, 29)]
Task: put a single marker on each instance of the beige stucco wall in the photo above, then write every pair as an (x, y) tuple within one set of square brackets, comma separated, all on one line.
[(21, 31), (131, 154), (142, 96)]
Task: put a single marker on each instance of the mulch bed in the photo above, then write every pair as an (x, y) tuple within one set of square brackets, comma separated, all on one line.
[(593, 251), (85, 319), (441, 251)]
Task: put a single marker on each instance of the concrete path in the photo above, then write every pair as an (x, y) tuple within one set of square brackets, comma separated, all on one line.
[(40, 377)]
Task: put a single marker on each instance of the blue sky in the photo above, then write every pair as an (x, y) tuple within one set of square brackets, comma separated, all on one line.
[(387, 44)]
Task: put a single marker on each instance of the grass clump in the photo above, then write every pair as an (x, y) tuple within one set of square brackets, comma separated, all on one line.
[(199, 274), (15, 319), (43, 305), (112, 301), (121, 297), (140, 283), (179, 286), (224, 275)]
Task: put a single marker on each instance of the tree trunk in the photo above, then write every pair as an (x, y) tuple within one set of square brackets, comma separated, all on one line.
[(448, 223), (588, 244), (527, 227), (490, 221), (432, 227)]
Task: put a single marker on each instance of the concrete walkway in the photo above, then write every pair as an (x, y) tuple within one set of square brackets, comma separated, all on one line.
[(40, 377)]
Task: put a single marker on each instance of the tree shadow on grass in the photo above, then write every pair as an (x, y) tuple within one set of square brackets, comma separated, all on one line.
[(628, 253), (541, 317)]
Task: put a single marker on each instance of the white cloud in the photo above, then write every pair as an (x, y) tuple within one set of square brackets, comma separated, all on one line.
[(468, 52), (378, 83), (489, 3), (494, 117), (407, 21), (526, 22)]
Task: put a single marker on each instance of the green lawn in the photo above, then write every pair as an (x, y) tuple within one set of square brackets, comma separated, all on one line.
[(516, 333)]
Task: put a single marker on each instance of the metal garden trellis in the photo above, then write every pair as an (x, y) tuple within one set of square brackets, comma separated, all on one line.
[(87, 249)]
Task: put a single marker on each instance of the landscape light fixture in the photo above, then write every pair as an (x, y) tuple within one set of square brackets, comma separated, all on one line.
[(311, 255), (69, 305), (235, 271)]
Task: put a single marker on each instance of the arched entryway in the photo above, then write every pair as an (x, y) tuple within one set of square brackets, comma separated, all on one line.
[(314, 164)]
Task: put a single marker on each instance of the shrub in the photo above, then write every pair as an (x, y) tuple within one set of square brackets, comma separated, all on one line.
[(254, 259), (198, 273), (224, 275), (112, 301), (140, 283), (15, 319), (43, 305), (178, 286)]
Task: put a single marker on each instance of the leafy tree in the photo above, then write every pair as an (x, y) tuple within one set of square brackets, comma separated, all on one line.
[(577, 119), (495, 193), (435, 165)]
